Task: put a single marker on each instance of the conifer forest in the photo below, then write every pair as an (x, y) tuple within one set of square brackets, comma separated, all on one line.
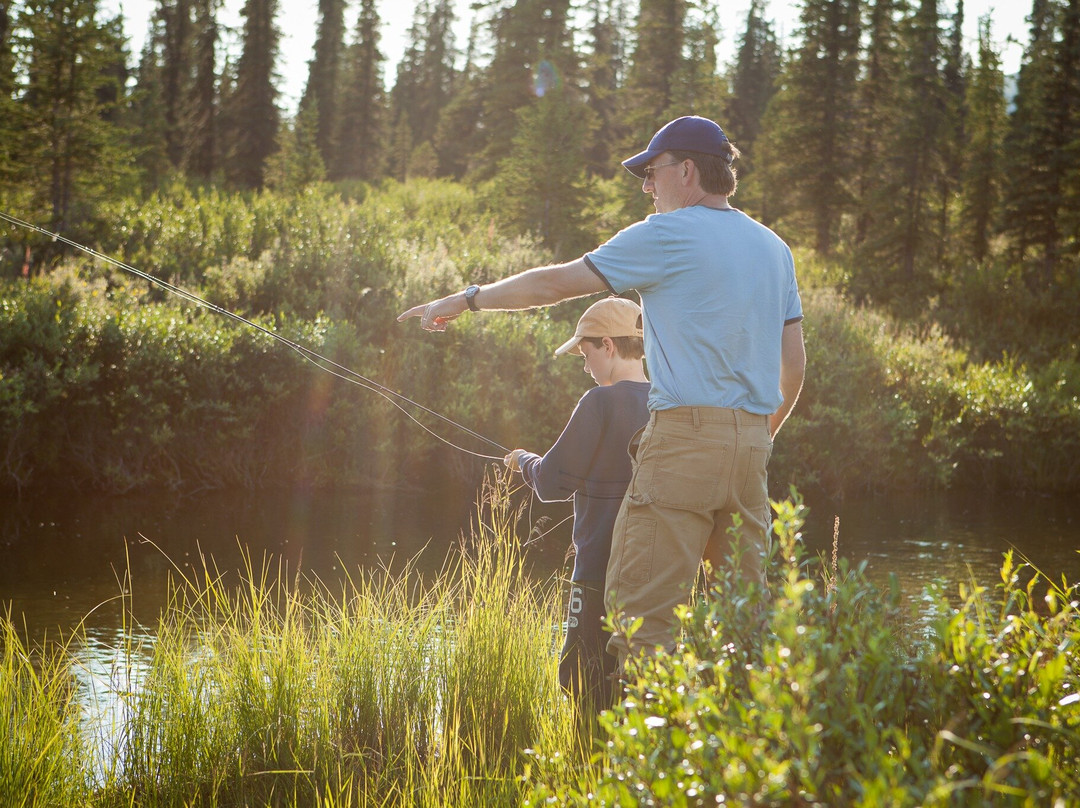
[(915, 180)]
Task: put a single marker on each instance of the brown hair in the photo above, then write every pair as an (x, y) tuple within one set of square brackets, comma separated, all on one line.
[(718, 175), (626, 347)]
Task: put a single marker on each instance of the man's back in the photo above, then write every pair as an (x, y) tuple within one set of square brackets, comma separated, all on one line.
[(717, 288)]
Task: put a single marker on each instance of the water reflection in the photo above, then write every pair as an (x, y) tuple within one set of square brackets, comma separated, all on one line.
[(951, 538), (108, 668), (71, 560)]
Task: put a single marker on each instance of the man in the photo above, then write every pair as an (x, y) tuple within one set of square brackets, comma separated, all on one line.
[(724, 349), (589, 463)]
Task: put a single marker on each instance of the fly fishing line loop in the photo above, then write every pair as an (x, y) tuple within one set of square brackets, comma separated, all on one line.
[(318, 360)]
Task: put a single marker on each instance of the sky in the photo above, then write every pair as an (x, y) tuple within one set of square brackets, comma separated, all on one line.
[(298, 18)]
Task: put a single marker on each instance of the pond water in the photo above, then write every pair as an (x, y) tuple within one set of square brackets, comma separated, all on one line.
[(69, 560)]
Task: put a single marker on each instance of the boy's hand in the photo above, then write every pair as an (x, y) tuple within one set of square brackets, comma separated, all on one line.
[(513, 460)]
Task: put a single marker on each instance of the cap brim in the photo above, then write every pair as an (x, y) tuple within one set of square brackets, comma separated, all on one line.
[(636, 164), (570, 346)]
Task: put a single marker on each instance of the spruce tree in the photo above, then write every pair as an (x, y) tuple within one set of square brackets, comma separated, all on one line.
[(70, 151), (878, 113), (407, 91), (534, 195), (176, 73), (1069, 123), (457, 138), (811, 131), (201, 119), (603, 75), (426, 74), (325, 84), (753, 84), (899, 258), (7, 58), (983, 157), (698, 88), (363, 116), (8, 109), (918, 143), (437, 72), (646, 101), (298, 163), (252, 106), (1034, 195), (148, 111), (953, 136), (533, 54)]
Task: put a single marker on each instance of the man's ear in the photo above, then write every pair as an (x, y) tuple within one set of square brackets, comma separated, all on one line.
[(609, 344)]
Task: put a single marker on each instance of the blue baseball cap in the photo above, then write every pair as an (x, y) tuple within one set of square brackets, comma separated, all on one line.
[(689, 133)]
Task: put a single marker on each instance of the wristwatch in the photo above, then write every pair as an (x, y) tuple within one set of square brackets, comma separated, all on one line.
[(470, 296)]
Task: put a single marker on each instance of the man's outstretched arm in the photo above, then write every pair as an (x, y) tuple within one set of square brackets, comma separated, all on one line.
[(542, 286)]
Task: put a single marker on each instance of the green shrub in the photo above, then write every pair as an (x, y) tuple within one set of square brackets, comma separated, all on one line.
[(1008, 673), (111, 383), (825, 693), (887, 407)]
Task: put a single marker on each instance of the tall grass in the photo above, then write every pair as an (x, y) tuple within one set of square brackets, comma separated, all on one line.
[(39, 725), (383, 690)]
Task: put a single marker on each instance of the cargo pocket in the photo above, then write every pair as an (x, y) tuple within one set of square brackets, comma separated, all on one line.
[(686, 474), (639, 546)]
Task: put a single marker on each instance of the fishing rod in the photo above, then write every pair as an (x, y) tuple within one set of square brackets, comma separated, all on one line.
[(318, 360)]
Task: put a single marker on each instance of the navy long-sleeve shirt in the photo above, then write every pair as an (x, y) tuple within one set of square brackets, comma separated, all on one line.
[(591, 463)]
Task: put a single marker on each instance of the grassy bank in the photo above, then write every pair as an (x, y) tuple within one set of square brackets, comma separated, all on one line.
[(398, 691), (276, 691)]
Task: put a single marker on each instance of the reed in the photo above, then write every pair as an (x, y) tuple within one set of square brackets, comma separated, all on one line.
[(386, 689), (39, 725)]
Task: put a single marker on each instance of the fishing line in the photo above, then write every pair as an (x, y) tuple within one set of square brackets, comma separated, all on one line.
[(318, 360)]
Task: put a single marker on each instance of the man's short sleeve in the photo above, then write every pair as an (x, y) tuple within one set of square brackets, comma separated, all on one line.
[(631, 259), (793, 311)]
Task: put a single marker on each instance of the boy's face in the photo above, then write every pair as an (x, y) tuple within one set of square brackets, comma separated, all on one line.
[(599, 361)]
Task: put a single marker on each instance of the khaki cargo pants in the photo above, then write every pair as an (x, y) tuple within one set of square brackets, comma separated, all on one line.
[(694, 467)]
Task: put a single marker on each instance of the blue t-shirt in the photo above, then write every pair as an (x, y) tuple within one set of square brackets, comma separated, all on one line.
[(717, 289), (591, 463)]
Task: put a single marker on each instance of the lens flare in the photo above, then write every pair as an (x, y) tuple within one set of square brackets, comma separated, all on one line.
[(545, 79)]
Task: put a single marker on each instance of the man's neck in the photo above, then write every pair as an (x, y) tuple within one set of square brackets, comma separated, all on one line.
[(715, 201)]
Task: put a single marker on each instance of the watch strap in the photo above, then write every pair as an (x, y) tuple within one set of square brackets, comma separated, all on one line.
[(470, 296)]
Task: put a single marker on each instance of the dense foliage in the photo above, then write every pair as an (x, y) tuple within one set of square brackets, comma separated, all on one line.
[(108, 382), (824, 693)]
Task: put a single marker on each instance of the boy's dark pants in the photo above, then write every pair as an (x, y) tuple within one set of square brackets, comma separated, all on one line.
[(586, 669)]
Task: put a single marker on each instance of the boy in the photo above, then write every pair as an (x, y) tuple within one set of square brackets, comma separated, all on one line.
[(590, 462)]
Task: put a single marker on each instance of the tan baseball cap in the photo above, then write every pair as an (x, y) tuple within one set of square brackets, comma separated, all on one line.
[(610, 317)]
